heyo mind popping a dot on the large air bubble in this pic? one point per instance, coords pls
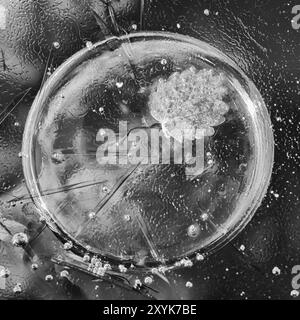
(148, 149)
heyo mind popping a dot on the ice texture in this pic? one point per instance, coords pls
(191, 102)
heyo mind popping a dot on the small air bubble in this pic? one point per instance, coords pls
(189, 284)
(154, 270)
(186, 263)
(49, 278)
(64, 274)
(4, 273)
(295, 293)
(86, 258)
(58, 157)
(148, 280)
(102, 132)
(206, 12)
(34, 266)
(127, 217)
(163, 62)
(20, 240)
(107, 266)
(105, 189)
(18, 288)
(56, 45)
(122, 268)
(199, 257)
(119, 85)
(276, 271)
(92, 215)
(89, 45)
(204, 217)
(137, 284)
(193, 230)
(68, 245)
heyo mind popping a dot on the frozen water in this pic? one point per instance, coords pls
(146, 210)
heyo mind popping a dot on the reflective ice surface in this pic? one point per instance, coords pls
(147, 211)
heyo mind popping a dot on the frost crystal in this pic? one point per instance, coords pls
(190, 102)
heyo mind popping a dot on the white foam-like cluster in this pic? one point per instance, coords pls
(191, 101)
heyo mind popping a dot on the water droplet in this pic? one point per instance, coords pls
(134, 27)
(20, 240)
(189, 284)
(163, 62)
(101, 110)
(17, 124)
(193, 230)
(178, 25)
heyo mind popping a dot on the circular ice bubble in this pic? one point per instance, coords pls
(147, 149)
